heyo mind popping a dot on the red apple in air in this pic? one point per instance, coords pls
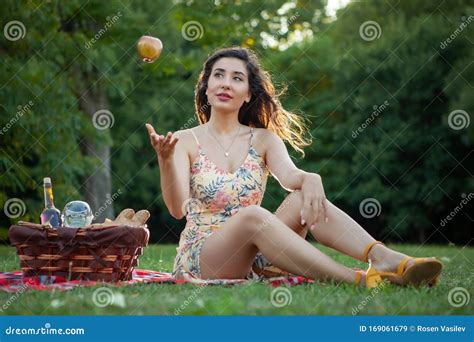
(149, 48)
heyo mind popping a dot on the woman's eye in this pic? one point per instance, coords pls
(219, 75)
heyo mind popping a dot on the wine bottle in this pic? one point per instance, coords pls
(50, 215)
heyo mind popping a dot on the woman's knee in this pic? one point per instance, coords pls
(255, 217)
(289, 210)
(294, 199)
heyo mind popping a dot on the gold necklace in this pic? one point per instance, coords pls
(226, 152)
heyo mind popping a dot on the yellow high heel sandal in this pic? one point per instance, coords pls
(421, 271)
(372, 277)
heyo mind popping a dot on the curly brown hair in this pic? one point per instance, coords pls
(264, 110)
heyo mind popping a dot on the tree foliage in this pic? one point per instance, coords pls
(378, 107)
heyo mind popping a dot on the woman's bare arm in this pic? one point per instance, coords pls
(173, 162)
(280, 164)
(291, 178)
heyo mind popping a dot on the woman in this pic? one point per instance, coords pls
(216, 174)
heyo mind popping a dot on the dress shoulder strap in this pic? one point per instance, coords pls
(251, 136)
(194, 135)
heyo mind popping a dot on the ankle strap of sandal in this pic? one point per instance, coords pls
(368, 249)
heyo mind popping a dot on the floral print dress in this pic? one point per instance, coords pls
(216, 195)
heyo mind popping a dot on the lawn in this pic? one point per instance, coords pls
(254, 299)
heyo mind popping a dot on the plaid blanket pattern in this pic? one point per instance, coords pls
(15, 282)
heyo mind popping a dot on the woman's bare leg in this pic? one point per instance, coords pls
(230, 252)
(345, 234)
(289, 213)
(341, 233)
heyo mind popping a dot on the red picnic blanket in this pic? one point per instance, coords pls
(15, 282)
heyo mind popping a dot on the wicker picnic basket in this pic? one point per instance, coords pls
(108, 253)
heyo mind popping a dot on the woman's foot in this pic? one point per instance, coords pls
(386, 260)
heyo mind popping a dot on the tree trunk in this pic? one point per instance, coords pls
(98, 186)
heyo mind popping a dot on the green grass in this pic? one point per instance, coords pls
(252, 299)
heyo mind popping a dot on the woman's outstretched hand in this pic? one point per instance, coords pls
(315, 206)
(163, 145)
